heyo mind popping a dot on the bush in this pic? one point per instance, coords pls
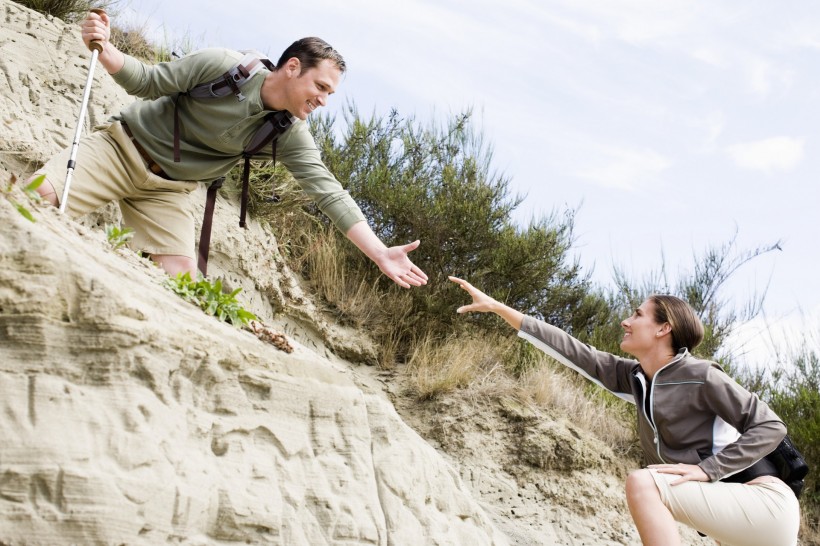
(211, 298)
(436, 184)
(791, 386)
(69, 11)
(702, 288)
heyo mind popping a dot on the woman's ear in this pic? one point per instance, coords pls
(664, 329)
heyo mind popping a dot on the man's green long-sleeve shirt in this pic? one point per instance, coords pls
(214, 132)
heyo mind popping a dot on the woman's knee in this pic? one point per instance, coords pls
(640, 487)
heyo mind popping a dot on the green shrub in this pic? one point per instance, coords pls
(210, 297)
(435, 183)
(30, 190)
(117, 236)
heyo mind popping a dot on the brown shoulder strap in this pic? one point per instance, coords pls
(207, 221)
(275, 124)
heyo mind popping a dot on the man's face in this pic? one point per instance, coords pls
(309, 89)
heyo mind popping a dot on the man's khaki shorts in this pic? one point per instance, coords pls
(109, 168)
(764, 514)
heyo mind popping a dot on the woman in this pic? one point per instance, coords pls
(703, 435)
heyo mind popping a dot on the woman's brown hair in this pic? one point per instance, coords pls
(687, 329)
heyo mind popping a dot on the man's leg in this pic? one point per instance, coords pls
(109, 168)
(99, 175)
(173, 264)
(159, 211)
(47, 192)
(653, 519)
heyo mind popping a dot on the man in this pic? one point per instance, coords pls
(155, 151)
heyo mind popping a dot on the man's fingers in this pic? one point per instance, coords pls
(419, 273)
(410, 247)
(415, 279)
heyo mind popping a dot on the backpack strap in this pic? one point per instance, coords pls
(229, 82)
(207, 221)
(275, 124)
(232, 80)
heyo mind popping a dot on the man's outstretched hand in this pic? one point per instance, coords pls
(392, 261)
(397, 266)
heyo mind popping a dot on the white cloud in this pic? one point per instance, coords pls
(710, 56)
(639, 21)
(764, 77)
(776, 153)
(711, 125)
(760, 77)
(626, 169)
(766, 342)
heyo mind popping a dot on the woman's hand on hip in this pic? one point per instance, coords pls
(687, 472)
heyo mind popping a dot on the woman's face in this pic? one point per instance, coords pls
(641, 332)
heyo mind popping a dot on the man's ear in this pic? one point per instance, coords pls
(293, 67)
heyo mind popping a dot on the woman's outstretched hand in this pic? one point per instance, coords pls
(482, 303)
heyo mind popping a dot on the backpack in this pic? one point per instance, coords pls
(791, 467)
(275, 124)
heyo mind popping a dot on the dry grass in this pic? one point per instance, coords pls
(315, 249)
(438, 368)
(477, 366)
(132, 41)
(555, 390)
(352, 297)
(69, 11)
(809, 532)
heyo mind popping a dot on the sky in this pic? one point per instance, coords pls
(671, 126)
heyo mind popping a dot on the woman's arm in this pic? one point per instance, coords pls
(482, 303)
(759, 427)
(604, 369)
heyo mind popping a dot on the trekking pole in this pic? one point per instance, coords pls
(96, 48)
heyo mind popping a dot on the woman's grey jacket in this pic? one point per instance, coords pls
(691, 411)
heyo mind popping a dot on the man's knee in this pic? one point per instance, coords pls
(45, 190)
(174, 265)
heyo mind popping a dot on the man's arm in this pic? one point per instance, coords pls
(392, 261)
(97, 27)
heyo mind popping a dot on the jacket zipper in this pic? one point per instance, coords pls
(651, 394)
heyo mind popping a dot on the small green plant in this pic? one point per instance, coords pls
(118, 236)
(211, 299)
(30, 190)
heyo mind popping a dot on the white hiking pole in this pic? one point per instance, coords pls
(96, 48)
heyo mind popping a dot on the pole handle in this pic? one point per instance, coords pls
(96, 45)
